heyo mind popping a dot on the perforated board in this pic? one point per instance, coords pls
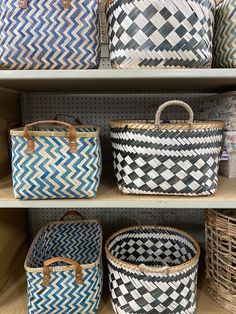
(98, 109)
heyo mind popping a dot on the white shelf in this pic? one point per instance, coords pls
(109, 196)
(111, 80)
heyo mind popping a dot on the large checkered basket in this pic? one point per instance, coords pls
(64, 268)
(152, 269)
(163, 34)
(55, 161)
(49, 34)
(177, 158)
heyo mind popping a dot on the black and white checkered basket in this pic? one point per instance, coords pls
(163, 34)
(176, 158)
(152, 269)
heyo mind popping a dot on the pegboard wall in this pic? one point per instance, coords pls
(98, 109)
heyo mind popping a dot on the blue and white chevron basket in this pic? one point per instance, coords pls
(46, 34)
(64, 268)
(55, 162)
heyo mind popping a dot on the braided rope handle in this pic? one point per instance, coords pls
(153, 269)
(173, 103)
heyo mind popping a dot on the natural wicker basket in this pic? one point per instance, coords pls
(220, 231)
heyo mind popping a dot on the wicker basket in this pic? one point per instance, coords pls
(220, 231)
(152, 269)
(160, 34)
(180, 158)
(64, 268)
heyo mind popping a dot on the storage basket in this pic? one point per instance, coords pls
(220, 232)
(180, 158)
(62, 161)
(160, 34)
(224, 35)
(64, 268)
(152, 269)
(46, 34)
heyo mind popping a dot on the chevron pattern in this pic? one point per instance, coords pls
(52, 171)
(78, 241)
(150, 34)
(48, 36)
(136, 291)
(183, 162)
(225, 35)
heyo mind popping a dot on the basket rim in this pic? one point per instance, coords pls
(153, 269)
(182, 124)
(63, 268)
(218, 213)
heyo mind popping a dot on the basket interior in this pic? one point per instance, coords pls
(77, 241)
(152, 247)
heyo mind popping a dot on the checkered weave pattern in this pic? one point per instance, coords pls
(150, 34)
(47, 36)
(52, 171)
(225, 35)
(138, 287)
(80, 241)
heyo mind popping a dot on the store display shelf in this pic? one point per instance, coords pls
(111, 80)
(109, 196)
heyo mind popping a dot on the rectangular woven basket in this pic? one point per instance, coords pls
(52, 161)
(64, 268)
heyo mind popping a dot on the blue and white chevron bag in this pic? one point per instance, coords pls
(46, 34)
(64, 268)
(55, 161)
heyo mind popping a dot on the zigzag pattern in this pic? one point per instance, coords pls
(225, 35)
(78, 241)
(47, 36)
(151, 34)
(52, 171)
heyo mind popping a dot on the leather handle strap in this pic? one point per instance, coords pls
(71, 213)
(23, 4)
(30, 141)
(77, 120)
(46, 269)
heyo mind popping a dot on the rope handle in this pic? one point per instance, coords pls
(72, 213)
(46, 270)
(173, 103)
(77, 120)
(30, 141)
(23, 4)
(139, 218)
(162, 269)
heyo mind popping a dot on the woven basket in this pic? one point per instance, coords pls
(152, 269)
(64, 268)
(160, 34)
(220, 232)
(46, 34)
(62, 161)
(180, 158)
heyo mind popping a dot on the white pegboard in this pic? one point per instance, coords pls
(99, 109)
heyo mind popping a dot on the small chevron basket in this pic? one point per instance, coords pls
(64, 268)
(152, 269)
(225, 35)
(55, 161)
(160, 34)
(46, 34)
(177, 158)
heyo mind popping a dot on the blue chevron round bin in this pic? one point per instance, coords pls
(55, 161)
(64, 268)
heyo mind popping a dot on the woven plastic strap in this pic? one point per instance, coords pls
(173, 103)
(46, 270)
(30, 141)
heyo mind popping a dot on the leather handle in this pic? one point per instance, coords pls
(30, 141)
(173, 103)
(71, 213)
(46, 270)
(77, 120)
(23, 4)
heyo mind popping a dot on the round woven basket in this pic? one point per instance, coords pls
(220, 231)
(152, 269)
